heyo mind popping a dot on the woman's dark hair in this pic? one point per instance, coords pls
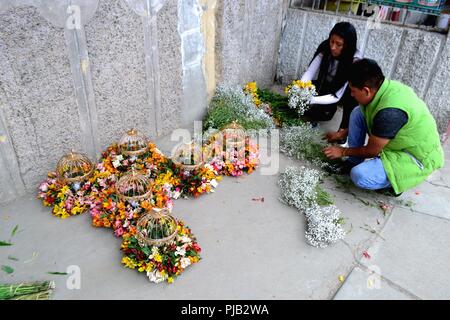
(347, 32)
(366, 73)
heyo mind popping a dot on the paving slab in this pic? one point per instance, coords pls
(414, 254)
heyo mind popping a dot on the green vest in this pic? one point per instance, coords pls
(418, 138)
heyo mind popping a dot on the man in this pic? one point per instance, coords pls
(403, 146)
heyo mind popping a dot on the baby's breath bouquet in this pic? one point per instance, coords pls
(300, 94)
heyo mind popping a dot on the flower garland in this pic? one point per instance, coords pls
(67, 199)
(300, 188)
(196, 182)
(300, 94)
(162, 263)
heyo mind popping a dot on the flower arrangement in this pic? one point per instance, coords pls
(300, 94)
(300, 188)
(163, 263)
(67, 199)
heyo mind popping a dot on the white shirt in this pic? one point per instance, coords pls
(313, 72)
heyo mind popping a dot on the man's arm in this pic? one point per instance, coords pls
(372, 149)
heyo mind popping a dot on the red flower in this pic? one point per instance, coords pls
(50, 200)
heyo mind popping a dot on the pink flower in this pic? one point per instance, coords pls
(43, 187)
(119, 232)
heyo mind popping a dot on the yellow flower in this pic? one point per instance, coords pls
(170, 279)
(157, 258)
(149, 267)
(129, 263)
(142, 267)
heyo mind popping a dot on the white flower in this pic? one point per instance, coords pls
(176, 194)
(300, 98)
(119, 157)
(180, 251)
(185, 262)
(116, 163)
(155, 276)
(214, 183)
(184, 239)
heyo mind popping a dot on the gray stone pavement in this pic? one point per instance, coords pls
(253, 249)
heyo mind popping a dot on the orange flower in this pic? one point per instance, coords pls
(120, 205)
(146, 205)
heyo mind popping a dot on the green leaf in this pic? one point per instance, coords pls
(14, 231)
(13, 258)
(3, 244)
(58, 273)
(7, 269)
(146, 251)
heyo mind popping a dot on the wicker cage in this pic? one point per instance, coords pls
(74, 167)
(134, 186)
(188, 156)
(133, 143)
(156, 228)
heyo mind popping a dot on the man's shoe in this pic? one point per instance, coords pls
(389, 192)
(341, 167)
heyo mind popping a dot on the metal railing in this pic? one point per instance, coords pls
(376, 13)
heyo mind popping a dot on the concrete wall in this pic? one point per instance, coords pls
(247, 40)
(36, 98)
(418, 58)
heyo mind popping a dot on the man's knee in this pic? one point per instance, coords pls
(358, 176)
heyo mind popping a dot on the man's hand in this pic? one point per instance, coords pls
(333, 152)
(336, 136)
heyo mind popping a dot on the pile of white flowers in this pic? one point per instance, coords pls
(299, 189)
(324, 226)
(242, 104)
(300, 95)
(303, 142)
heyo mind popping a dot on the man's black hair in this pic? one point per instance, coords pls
(366, 73)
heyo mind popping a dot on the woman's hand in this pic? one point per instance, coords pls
(334, 152)
(336, 136)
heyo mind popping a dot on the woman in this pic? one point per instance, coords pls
(328, 72)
